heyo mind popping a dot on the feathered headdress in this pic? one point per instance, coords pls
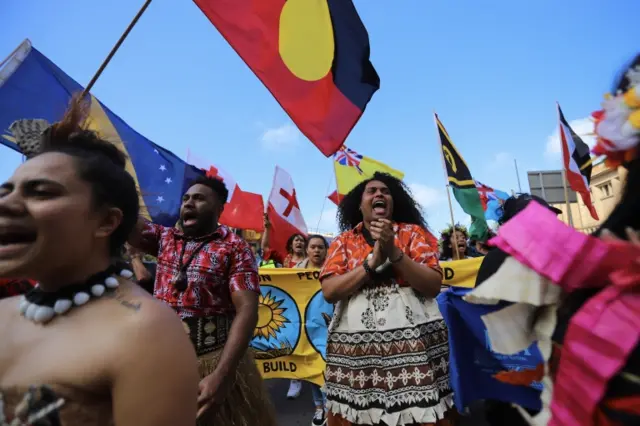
(28, 134)
(34, 135)
(617, 124)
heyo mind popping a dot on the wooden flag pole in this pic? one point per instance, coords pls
(115, 48)
(446, 179)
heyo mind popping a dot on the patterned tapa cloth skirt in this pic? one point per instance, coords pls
(388, 360)
(248, 403)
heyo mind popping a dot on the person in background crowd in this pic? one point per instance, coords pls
(454, 236)
(209, 276)
(618, 137)
(511, 207)
(75, 350)
(480, 248)
(316, 250)
(500, 413)
(315, 254)
(145, 272)
(295, 249)
(256, 253)
(383, 274)
(10, 288)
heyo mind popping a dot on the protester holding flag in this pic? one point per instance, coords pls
(295, 248)
(502, 412)
(480, 248)
(83, 336)
(208, 275)
(382, 272)
(285, 229)
(584, 300)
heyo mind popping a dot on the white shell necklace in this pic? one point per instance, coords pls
(41, 306)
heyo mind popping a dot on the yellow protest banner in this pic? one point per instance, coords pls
(290, 339)
(461, 273)
(291, 335)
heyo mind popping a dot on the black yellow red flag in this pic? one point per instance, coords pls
(312, 55)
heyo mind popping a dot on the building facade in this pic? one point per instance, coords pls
(606, 189)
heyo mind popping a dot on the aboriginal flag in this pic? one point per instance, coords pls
(312, 55)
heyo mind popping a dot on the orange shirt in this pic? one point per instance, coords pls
(350, 249)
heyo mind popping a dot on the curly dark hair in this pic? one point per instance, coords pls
(446, 251)
(216, 185)
(290, 242)
(405, 208)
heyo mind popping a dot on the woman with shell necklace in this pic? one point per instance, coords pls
(76, 349)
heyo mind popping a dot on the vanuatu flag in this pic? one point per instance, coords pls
(463, 186)
(313, 56)
(32, 86)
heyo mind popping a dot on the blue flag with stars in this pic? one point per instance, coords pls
(32, 86)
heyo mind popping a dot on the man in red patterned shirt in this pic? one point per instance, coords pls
(209, 276)
(10, 288)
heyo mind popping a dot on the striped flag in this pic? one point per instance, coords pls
(577, 162)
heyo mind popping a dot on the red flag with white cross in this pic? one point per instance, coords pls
(283, 212)
(244, 210)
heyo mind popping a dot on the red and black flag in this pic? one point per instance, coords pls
(313, 56)
(577, 162)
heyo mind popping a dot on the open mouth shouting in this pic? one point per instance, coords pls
(14, 240)
(189, 219)
(379, 207)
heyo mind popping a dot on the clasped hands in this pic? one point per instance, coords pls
(382, 232)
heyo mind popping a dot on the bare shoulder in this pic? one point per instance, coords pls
(8, 308)
(140, 312)
(146, 326)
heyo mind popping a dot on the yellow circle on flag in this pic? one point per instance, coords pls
(306, 40)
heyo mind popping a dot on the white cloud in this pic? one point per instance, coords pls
(285, 136)
(583, 128)
(324, 222)
(427, 196)
(502, 158)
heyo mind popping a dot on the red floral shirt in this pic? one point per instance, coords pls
(223, 266)
(350, 249)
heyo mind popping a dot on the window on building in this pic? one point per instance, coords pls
(606, 190)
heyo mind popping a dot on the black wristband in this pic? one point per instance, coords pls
(398, 259)
(370, 272)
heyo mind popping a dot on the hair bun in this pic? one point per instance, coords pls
(89, 141)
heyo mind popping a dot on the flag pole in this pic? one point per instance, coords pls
(566, 197)
(324, 200)
(446, 179)
(515, 163)
(115, 48)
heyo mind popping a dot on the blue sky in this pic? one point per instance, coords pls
(492, 70)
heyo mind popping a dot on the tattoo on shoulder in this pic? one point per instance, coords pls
(123, 300)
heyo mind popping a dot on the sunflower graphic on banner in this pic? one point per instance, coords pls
(290, 338)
